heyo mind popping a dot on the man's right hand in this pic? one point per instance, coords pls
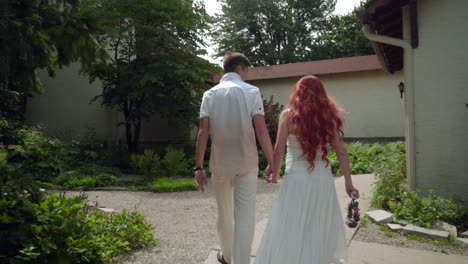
(200, 179)
(270, 177)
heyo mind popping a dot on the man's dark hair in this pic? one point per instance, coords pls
(233, 59)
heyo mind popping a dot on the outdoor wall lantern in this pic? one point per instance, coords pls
(401, 88)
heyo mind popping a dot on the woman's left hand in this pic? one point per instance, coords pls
(352, 191)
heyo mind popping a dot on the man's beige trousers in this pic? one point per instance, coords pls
(235, 196)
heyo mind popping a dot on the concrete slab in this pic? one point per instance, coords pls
(435, 234)
(463, 240)
(370, 253)
(380, 216)
(395, 227)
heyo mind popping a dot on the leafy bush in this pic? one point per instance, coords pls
(119, 233)
(391, 192)
(425, 211)
(88, 175)
(63, 230)
(173, 185)
(362, 158)
(147, 164)
(391, 176)
(150, 164)
(272, 113)
(174, 163)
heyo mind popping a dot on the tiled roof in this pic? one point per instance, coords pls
(341, 65)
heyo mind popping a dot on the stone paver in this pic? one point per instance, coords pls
(412, 229)
(440, 225)
(463, 240)
(395, 227)
(380, 216)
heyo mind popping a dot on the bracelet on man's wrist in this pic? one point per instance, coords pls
(197, 168)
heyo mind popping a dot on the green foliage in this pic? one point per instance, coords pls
(174, 163)
(363, 221)
(173, 185)
(41, 35)
(119, 233)
(425, 211)
(414, 236)
(362, 157)
(391, 176)
(154, 67)
(389, 234)
(390, 191)
(273, 32)
(341, 36)
(383, 228)
(78, 178)
(63, 230)
(147, 163)
(272, 114)
(270, 32)
(442, 241)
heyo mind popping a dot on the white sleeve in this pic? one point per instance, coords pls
(257, 105)
(205, 106)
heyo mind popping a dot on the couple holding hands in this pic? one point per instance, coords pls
(305, 224)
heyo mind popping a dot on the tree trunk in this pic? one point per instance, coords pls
(129, 137)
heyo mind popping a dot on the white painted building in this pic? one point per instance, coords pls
(428, 40)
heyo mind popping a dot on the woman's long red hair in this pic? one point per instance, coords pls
(315, 117)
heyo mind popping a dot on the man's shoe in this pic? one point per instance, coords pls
(221, 258)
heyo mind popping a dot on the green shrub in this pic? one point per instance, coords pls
(173, 185)
(362, 158)
(391, 175)
(147, 164)
(174, 163)
(118, 233)
(425, 211)
(390, 191)
(63, 230)
(72, 179)
(87, 175)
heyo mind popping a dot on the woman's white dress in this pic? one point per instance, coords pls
(305, 224)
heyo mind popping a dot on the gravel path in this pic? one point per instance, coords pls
(184, 222)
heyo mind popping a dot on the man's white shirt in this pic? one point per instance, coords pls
(230, 105)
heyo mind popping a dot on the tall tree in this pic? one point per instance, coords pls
(41, 34)
(271, 31)
(154, 66)
(341, 36)
(285, 31)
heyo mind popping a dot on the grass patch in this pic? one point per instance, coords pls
(389, 234)
(414, 236)
(173, 185)
(443, 241)
(363, 221)
(383, 228)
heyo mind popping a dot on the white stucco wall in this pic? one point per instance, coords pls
(441, 97)
(64, 110)
(371, 100)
